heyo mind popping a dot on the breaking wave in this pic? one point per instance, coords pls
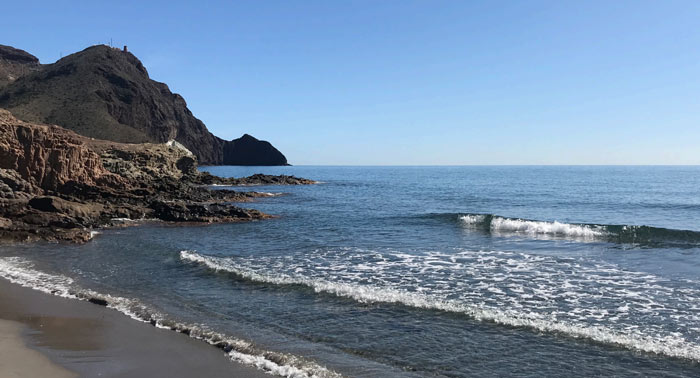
(626, 234)
(22, 272)
(525, 301)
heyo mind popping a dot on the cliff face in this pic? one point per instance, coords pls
(48, 157)
(58, 185)
(106, 93)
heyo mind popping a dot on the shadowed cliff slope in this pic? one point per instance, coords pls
(106, 93)
(15, 63)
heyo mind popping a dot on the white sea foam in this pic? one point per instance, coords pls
(537, 292)
(473, 218)
(550, 228)
(22, 272)
(534, 228)
(269, 194)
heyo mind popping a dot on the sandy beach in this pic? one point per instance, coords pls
(17, 360)
(47, 336)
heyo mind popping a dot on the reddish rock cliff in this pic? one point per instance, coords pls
(49, 157)
(58, 185)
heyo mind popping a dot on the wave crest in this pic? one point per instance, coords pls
(624, 234)
(497, 224)
(668, 344)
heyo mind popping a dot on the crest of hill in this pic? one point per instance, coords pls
(106, 93)
(15, 63)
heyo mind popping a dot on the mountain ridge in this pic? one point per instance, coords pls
(106, 93)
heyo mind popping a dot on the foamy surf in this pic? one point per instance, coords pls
(511, 309)
(22, 272)
(537, 229)
(497, 224)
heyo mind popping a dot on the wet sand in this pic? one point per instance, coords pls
(67, 338)
(19, 361)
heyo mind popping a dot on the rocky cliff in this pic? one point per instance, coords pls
(106, 93)
(48, 157)
(58, 185)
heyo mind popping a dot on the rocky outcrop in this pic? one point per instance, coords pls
(47, 157)
(106, 93)
(248, 150)
(13, 186)
(58, 185)
(206, 178)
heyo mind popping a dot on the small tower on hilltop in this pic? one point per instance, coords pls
(125, 49)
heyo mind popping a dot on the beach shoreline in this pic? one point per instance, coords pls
(66, 338)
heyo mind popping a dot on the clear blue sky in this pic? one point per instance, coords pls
(411, 82)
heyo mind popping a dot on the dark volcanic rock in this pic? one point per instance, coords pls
(98, 301)
(205, 178)
(180, 211)
(248, 150)
(106, 93)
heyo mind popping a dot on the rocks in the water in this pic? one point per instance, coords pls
(106, 93)
(98, 301)
(181, 211)
(206, 178)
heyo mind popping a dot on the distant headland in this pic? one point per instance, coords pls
(106, 93)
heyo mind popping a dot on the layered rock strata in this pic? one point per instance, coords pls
(58, 185)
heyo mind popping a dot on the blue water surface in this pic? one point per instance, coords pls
(428, 271)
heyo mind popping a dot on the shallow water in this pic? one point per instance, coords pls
(425, 271)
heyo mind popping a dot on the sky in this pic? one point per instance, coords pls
(411, 82)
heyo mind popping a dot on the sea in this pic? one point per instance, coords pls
(459, 271)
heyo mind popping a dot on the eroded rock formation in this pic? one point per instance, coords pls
(58, 185)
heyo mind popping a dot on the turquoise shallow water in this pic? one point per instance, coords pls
(420, 271)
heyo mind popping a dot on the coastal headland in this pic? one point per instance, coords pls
(57, 185)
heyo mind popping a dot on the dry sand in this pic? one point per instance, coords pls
(48, 336)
